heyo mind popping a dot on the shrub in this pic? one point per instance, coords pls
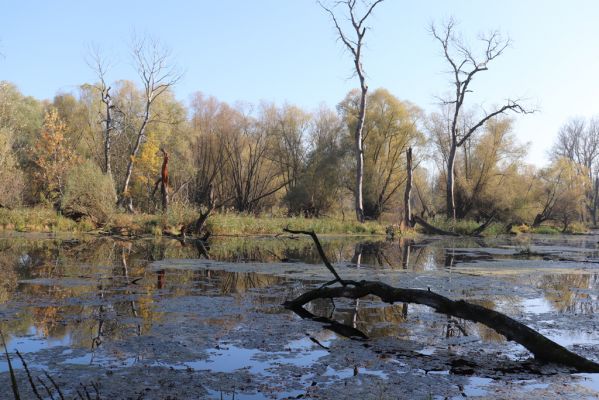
(88, 193)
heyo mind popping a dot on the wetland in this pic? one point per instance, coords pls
(158, 318)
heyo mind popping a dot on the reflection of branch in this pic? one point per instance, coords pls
(342, 329)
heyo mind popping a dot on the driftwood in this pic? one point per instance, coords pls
(540, 346)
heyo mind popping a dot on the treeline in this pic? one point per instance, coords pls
(248, 158)
(281, 158)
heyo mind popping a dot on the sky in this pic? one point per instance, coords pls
(287, 51)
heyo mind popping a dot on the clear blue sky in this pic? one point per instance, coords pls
(286, 50)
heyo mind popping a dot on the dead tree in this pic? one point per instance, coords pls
(541, 347)
(163, 181)
(354, 45)
(152, 61)
(407, 207)
(98, 63)
(464, 67)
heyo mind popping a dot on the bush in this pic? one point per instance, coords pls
(88, 194)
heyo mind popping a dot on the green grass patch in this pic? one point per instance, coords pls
(467, 226)
(43, 219)
(239, 224)
(39, 219)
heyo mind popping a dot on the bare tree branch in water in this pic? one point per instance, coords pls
(539, 345)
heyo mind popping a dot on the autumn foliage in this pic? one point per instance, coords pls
(53, 157)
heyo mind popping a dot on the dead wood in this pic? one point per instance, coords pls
(540, 346)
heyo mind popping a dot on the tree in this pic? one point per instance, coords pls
(20, 121)
(287, 130)
(353, 42)
(100, 66)
(560, 197)
(390, 128)
(212, 123)
(578, 141)
(157, 75)
(53, 158)
(21, 118)
(321, 179)
(486, 168)
(465, 65)
(252, 175)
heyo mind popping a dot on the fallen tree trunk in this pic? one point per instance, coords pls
(543, 348)
(540, 346)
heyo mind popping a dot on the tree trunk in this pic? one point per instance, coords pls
(164, 195)
(360, 151)
(107, 136)
(539, 219)
(450, 182)
(125, 198)
(595, 201)
(407, 218)
(164, 181)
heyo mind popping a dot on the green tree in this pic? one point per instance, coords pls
(391, 126)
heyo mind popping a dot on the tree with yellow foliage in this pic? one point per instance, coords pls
(53, 157)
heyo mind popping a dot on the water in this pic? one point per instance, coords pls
(89, 305)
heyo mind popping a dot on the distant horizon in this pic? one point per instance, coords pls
(287, 52)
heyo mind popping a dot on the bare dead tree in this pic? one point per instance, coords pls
(100, 66)
(465, 65)
(153, 63)
(354, 41)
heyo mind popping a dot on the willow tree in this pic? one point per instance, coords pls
(353, 39)
(389, 130)
(464, 66)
